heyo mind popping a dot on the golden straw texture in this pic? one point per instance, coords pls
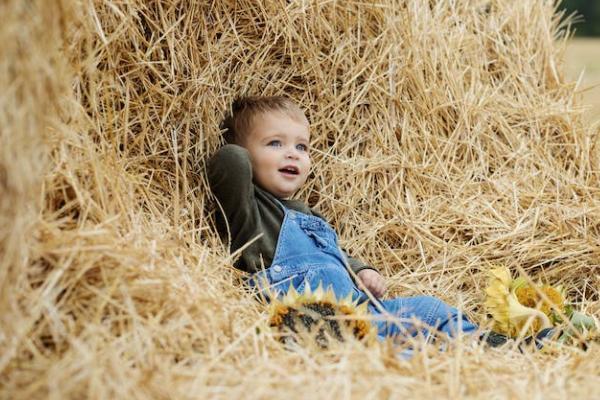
(445, 138)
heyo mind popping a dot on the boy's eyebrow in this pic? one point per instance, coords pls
(281, 135)
(272, 135)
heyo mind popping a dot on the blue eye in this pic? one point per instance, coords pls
(302, 147)
(274, 143)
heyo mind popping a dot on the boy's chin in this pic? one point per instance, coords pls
(281, 191)
(285, 194)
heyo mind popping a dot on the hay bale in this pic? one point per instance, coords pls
(445, 138)
(31, 91)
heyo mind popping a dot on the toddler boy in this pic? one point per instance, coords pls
(253, 177)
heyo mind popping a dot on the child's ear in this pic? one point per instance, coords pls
(229, 137)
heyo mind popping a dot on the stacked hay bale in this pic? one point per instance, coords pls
(31, 91)
(444, 138)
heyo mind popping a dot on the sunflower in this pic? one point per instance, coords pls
(516, 305)
(320, 316)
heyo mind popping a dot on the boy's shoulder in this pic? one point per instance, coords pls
(299, 205)
(228, 153)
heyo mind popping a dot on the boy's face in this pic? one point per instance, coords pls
(278, 147)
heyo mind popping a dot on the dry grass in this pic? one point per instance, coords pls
(446, 138)
(583, 62)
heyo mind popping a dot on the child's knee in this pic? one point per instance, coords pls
(432, 303)
(435, 311)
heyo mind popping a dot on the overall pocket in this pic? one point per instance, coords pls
(322, 235)
(282, 277)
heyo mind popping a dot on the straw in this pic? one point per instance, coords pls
(445, 138)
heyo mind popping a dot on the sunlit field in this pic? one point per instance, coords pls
(583, 56)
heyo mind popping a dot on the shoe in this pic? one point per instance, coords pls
(495, 339)
(544, 336)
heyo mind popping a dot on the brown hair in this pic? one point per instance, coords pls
(245, 109)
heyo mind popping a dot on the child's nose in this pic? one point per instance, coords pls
(292, 152)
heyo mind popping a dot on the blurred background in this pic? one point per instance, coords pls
(583, 52)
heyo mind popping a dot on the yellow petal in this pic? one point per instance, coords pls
(319, 293)
(509, 314)
(309, 315)
(519, 315)
(502, 274)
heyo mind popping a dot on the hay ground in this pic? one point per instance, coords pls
(446, 138)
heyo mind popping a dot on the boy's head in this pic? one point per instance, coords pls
(276, 134)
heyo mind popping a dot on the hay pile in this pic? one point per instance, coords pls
(445, 139)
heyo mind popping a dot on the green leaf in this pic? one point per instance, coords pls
(518, 283)
(582, 321)
(569, 310)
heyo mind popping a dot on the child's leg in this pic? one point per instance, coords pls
(411, 315)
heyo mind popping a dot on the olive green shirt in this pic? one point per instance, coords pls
(248, 213)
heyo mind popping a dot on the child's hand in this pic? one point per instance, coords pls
(373, 281)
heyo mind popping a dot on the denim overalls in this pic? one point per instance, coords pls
(307, 253)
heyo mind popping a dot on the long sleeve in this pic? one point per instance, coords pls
(248, 216)
(230, 179)
(356, 265)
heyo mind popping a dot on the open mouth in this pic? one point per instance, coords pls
(290, 170)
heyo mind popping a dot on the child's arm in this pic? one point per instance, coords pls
(368, 275)
(229, 173)
(356, 264)
(373, 281)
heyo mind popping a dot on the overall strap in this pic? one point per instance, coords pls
(284, 208)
